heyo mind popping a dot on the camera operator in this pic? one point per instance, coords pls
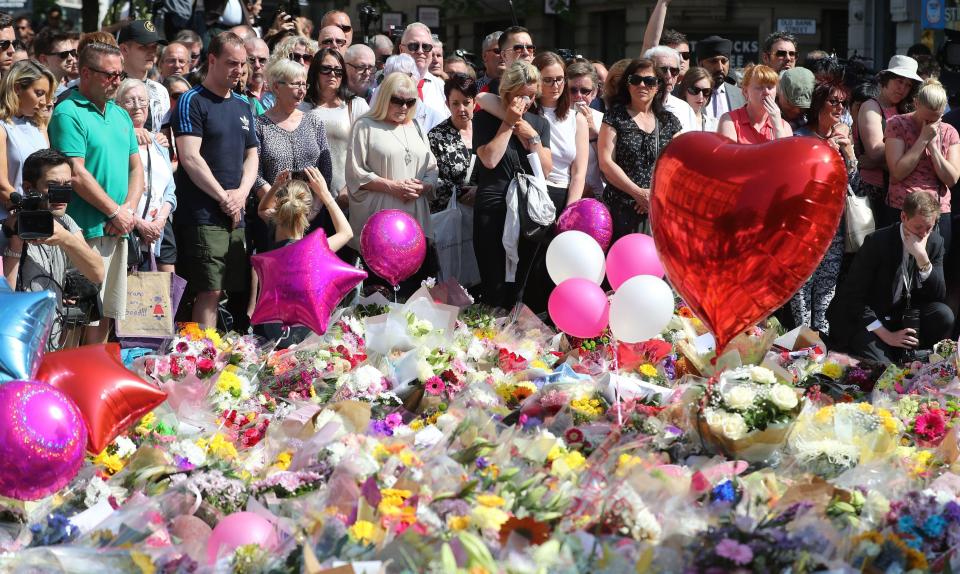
(892, 302)
(65, 248)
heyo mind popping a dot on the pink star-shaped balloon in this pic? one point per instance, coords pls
(302, 283)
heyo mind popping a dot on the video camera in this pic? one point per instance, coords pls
(34, 218)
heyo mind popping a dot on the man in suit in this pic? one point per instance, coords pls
(898, 267)
(714, 55)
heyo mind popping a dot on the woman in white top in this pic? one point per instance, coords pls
(24, 92)
(582, 87)
(697, 89)
(329, 99)
(159, 198)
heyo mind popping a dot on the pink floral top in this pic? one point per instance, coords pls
(923, 177)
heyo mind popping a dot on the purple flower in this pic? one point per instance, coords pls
(380, 427)
(482, 463)
(734, 551)
(951, 511)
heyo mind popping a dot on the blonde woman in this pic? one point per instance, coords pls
(389, 162)
(25, 92)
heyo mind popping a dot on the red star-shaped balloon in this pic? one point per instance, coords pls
(110, 397)
(302, 283)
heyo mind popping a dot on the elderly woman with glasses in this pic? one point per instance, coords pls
(390, 165)
(159, 199)
(330, 101)
(633, 135)
(827, 107)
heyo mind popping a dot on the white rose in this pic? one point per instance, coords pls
(739, 397)
(713, 418)
(733, 426)
(763, 375)
(784, 397)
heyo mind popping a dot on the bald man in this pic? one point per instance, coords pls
(257, 55)
(333, 37)
(174, 61)
(341, 20)
(361, 64)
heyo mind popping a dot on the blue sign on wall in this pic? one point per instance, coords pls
(934, 14)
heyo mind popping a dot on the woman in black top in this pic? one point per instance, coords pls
(451, 141)
(502, 148)
(634, 132)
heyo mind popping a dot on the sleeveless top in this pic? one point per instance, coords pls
(874, 176)
(23, 138)
(746, 133)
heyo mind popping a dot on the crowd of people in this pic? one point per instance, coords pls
(190, 153)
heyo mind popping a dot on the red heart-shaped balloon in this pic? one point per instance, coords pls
(740, 228)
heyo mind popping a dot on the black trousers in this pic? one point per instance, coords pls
(936, 324)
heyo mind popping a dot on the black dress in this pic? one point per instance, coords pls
(453, 160)
(636, 153)
(490, 212)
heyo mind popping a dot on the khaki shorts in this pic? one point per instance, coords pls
(112, 298)
(212, 258)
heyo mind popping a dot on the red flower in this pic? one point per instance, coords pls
(205, 366)
(930, 425)
(510, 362)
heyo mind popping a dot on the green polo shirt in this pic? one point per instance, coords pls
(105, 141)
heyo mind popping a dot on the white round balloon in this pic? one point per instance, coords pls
(575, 255)
(640, 309)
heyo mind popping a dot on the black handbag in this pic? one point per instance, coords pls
(135, 256)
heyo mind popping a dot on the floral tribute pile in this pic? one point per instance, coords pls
(431, 437)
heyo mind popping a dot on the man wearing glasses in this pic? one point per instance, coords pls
(417, 41)
(514, 44)
(58, 51)
(341, 20)
(666, 62)
(8, 40)
(98, 137)
(174, 60)
(138, 44)
(361, 64)
(714, 55)
(257, 56)
(493, 64)
(780, 51)
(333, 37)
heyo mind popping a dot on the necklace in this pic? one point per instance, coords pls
(407, 156)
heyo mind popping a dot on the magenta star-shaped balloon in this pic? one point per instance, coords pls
(302, 283)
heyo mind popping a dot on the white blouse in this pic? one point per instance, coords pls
(563, 146)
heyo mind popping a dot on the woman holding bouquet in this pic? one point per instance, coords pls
(759, 120)
(828, 103)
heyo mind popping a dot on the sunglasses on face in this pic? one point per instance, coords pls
(836, 102)
(669, 70)
(705, 92)
(304, 59)
(332, 41)
(64, 54)
(524, 48)
(110, 76)
(581, 91)
(786, 54)
(5, 45)
(684, 55)
(636, 80)
(494, 50)
(362, 69)
(554, 81)
(403, 102)
(417, 46)
(327, 70)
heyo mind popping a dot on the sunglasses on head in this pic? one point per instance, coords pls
(63, 55)
(403, 102)
(327, 70)
(684, 55)
(301, 58)
(524, 48)
(669, 70)
(785, 54)
(417, 46)
(581, 91)
(636, 80)
(705, 92)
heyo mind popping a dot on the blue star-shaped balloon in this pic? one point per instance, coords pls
(302, 283)
(26, 319)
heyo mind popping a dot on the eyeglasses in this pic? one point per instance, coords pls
(254, 60)
(416, 46)
(684, 55)
(331, 41)
(135, 103)
(64, 54)
(582, 91)
(304, 59)
(402, 102)
(362, 69)
(723, 60)
(836, 102)
(648, 81)
(327, 70)
(786, 54)
(554, 81)
(524, 47)
(705, 92)
(494, 50)
(194, 55)
(669, 70)
(344, 27)
(295, 85)
(111, 76)
(5, 45)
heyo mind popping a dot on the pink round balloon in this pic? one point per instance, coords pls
(392, 245)
(240, 529)
(589, 216)
(42, 440)
(579, 307)
(632, 255)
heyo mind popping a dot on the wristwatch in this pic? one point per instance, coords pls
(535, 140)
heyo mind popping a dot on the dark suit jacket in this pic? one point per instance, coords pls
(867, 294)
